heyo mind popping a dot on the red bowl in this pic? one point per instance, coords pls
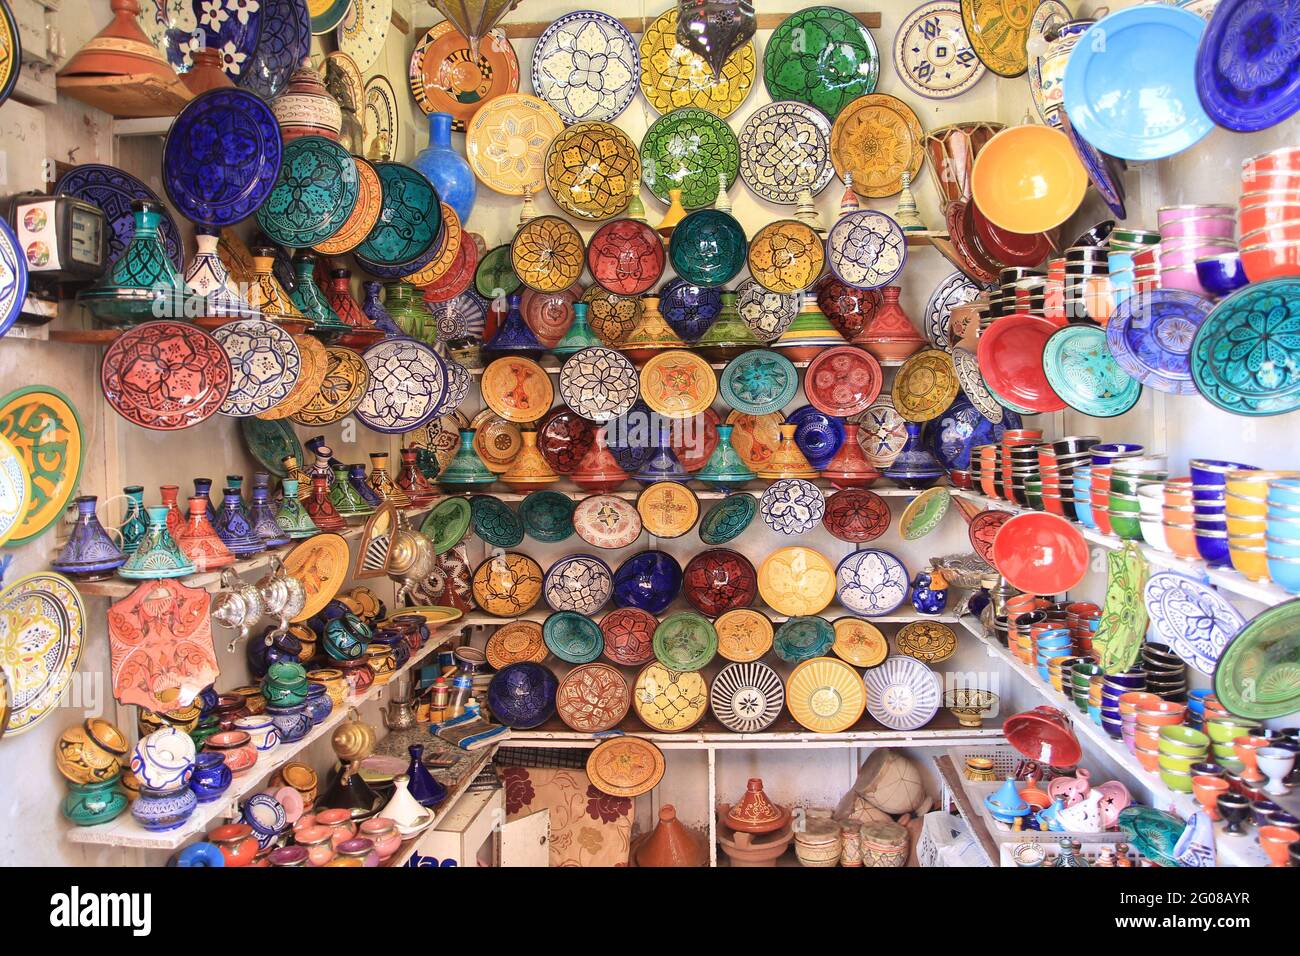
(1270, 262)
(1009, 248)
(1281, 232)
(1269, 180)
(1010, 356)
(1043, 734)
(1040, 553)
(1257, 217)
(1283, 158)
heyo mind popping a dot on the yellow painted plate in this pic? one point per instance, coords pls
(13, 491)
(860, 642)
(453, 234)
(998, 31)
(877, 138)
(321, 563)
(669, 701)
(42, 425)
(925, 386)
(744, 634)
(548, 254)
(625, 766)
(370, 201)
(796, 581)
(592, 170)
(340, 391)
(755, 437)
(672, 76)
(433, 614)
(507, 140)
(668, 509)
(928, 641)
(496, 440)
(678, 383)
(517, 389)
(826, 695)
(515, 642)
(42, 632)
(315, 365)
(786, 256)
(507, 584)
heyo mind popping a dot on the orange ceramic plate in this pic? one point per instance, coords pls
(1028, 179)
(678, 384)
(321, 564)
(517, 389)
(445, 77)
(796, 581)
(1041, 553)
(744, 634)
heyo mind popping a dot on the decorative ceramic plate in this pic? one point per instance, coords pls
(494, 276)
(445, 77)
(365, 213)
(221, 157)
(719, 580)
(923, 513)
(607, 521)
(728, 518)
(13, 277)
(822, 56)
(410, 217)
(522, 696)
(179, 27)
(818, 435)
(1135, 96)
(314, 194)
(508, 584)
(803, 638)
(165, 375)
(625, 766)
(565, 438)
(669, 701)
(956, 289)
(882, 432)
(925, 386)
(692, 150)
(1152, 832)
(796, 581)
(930, 642)
(1010, 355)
(767, 313)
(649, 580)
(856, 515)
(744, 634)
(673, 76)
(626, 257)
(786, 256)
(966, 365)
(578, 582)
(592, 169)
(747, 697)
(407, 381)
(573, 638)
(998, 31)
(1082, 372)
(825, 695)
(380, 120)
(952, 435)
(1258, 674)
(866, 249)
(1041, 553)
(10, 65)
(759, 382)
(327, 14)
(694, 444)
(668, 509)
(447, 523)
(902, 693)
(792, 506)
(785, 147)
(850, 309)
(496, 440)
(547, 516)
(1049, 17)
(599, 384)
(685, 641)
(1150, 337)
(315, 362)
(877, 138)
(517, 389)
(707, 248)
(843, 381)
(983, 529)
(265, 364)
(547, 254)
(364, 30)
(1244, 358)
(610, 315)
(933, 55)
(1236, 89)
(1192, 618)
(270, 442)
(755, 437)
(1123, 623)
(42, 627)
(586, 65)
(515, 642)
(871, 582)
(507, 142)
(13, 495)
(677, 383)
(629, 636)
(593, 698)
(690, 310)
(1103, 171)
(859, 642)
(340, 392)
(321, 563)
(495, 522)
(113, 191)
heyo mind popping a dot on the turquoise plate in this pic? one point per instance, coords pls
(313, 195)
(572, 637)
(447, 523)
(330, 17)
(495, 522)
(271, 441)
(547, 516)
(708, 248)
(1246, 354)
(1081, 370)
(803, 638)
(1152, 832)
(759, 381)
(728, 518)
(410, 217)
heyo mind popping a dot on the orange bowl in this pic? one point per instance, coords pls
(1271, 261)
(1028, 179)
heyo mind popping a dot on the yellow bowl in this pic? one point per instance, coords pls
(1028, 179)
(1252, 485)
(1239, 527)
(1252, 564)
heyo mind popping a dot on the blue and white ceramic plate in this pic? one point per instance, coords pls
(933, 55)
(1080, 369)
(1150, 337)
(264, 366)
(1103, 171)
(586, 66)
(284, 43)
(1248, 63)
(972, 385)
(758, 382)
(784, 147)
(364, 31)
(818, 435)
(579, 582)
(1246, 355)
(767, 313)
(462, 317)
(180, 27)
(13, 278)
(956, 289)
(952, 435)
(871, 582)
(1191, 617)
(902, 693)
(314, 193)
(407, 382)
(113, 191)
(1135, 96)
(221, 157)
(459, 381)
(792, 506)
(866, 249)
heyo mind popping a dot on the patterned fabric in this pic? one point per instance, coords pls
(588, 828)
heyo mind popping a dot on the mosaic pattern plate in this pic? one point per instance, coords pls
(767, 313)
(672, 76)
(689, 149)
(407, 380)
(580, 583)
(786, 256)
(1150, 337)
(877, 138)
(792, 506)
(866, 249)
(586, 65)
(265, 363)
(822, 56)
(314, 194)
(871, 582)
(547, 254)
(1081, 370)
(165, 375)
(599, 384)
(591, 170)
(785, 147)
(507, 142)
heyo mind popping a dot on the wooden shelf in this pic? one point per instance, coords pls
(966, 810)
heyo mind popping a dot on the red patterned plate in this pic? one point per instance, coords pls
(165, 375)
(564, 438)
(843, 380)
(549, 314)
(457, 279)
(719, 580)
(695, 444)
(849, 309)
(958, 249)
(856, 515)
(629, 634)
(626, 257)
(1010, 356)
(1041, 553)
(593, 698)
(983, 529)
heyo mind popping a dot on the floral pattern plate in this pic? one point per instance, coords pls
(822, 56)
(955, 289)
(265, 363)
(626, 257)
(407, 381)
(1248, 65)
(592, 170)
(1081, 370)
(507, 142)
(794, 581)
(871, 582)
(925, 386)
(180, 27)
(859, 642)
(877, 138)
(784, 148)
(747, 697)
(672, 76)
(843, 381)
(586, 65)
(1191, 617)
(768, 314)
(685, 641)
(786, 256)
(856, 515)
(593, 698)
(445, 77)
(314, 194)
(509, 584)
(759, 382)
(364, 30)
(599, 384)
(114, 190)
(966, 365)
(607, 521)
(692, 150)
(902, 693)
(866, 249)
(629, 636)
(678, 384)
(744, 635)
(933, 55)
(929, 642)
(669, 701)
(42, 629)
(165, 375)
(998, 30)
(792, 506)
(580, 583)
(1150, 337)
(547, 254)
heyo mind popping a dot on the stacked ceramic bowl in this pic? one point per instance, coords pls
(1166, 672)
(1223, 729)
(1081, 682)
(1081, 488)
(1128, 477)
(1269, 214)
(1188, 233)
(1282, 533)
(1151, 503)
(1058, 462)
(1196, 701)
(1146, 269)
(1180, 748)
(1049, 645)
(1104, 457)
(1209, 498)
(1059, 670)
(1054, 290)
(1020, 463)
(1151, 716)
(1019, 289)
(1178, 516)
(1087, 296)
(1021, 633)
(1083, 618)
(1245, 513)
(1113, 686)
(819, 843)
(1124, 244)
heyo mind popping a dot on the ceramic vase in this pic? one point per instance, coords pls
(513, 336)
(321, 509)
(675, 213)
(599, 472)
(890, 336)
(915, 467)
(373, 307)
(89, 554)
(725, 470)
(529, 469)
(447, 169)
(427, 791)
(671, 844)
(305, 107)
(158, 555)
(381, 482)
(580, 334)
(850, 467)
(291, 516)
(787, 460)
(90, 804)
(412, 481)
(729, 335)
(235, 528)
(466, 471)
(306, 295)
(199, 540)
(346, 500)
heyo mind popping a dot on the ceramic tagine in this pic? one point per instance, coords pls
(850, 467)
(650, 335)
(338, 293)
(466, 471)
(213, 295)
(675, 213)
(135, 522)
(374, 309)
(235, 528)
(513, 336)
(90, 554)
(729, 335)
(787, 460)
(808, 334)
(321, 510)
(345, 497)
(199, 540)
(381, 482)
(915, 467)
(291, 515)
(755, 813)
(326, 324)
(529, 469)
(158, 555)
(599, 471)
(412, 481)
(725, 469)
(671, 844)
(144, 283)
(662, 463)
(890, 336)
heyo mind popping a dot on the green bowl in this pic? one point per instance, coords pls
(1177, 781)
(1183, 741)
(1178, 764)
(1225, 733)
(1224, 752)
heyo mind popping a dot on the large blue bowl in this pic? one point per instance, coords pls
(649, 580)
(522, 695)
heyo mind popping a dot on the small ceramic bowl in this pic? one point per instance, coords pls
(1183, 741)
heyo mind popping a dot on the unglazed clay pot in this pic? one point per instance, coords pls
(671, 844)
(751, 849)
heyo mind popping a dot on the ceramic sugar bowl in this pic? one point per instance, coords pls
(163, 760)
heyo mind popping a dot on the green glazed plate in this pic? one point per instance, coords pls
(1152, 832)
(495, 274)
(313, 195)
(1258, 673)
(1123, 621)
(803, 638)
(271, 441)
(728, 518)
(495, 522)
(685, 641)
(572, 637)
(821, 56)
(924, 513)
(410, 217)
(447, 523)
(759, 381)
(687, 149)
(1081, 370)
(708, 248)
(1246, 355)
(547, 516)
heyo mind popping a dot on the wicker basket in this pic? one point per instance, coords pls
(884, 845)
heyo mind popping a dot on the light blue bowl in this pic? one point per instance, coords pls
(1285, 574)
(1286, 490)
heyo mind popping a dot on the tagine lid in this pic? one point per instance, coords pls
(755, 813)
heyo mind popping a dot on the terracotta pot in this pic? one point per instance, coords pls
(755, 813)
(671, 844)
(751, 849)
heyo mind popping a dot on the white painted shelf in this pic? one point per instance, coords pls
(904, 615)
(551, 364)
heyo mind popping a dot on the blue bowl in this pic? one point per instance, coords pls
(1211, 471)
(1285, 490)
(1094, 714)
(1221, 275)
(1212, 550)
(522, 695)
(649, 580)
(1285, 574)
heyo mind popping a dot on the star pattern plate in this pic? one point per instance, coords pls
(866, 249)
(586, 65)
(785, 147)
(792, 506)
(264, 366)
(673, 76)
(599, 384)
(591, 170)
(871, 582)
(689, 149)
(932, 53)
(507, 140)
(579, 582)
(406, 385)
(767, 313)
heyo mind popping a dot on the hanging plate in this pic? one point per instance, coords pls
(707, 248)
(795, 581)
(515, 642)
(689, 149)
(265, 364)
(1244, 356)
(843, 380)
(445, 77)
(314, 194)
(522, 695)
(822, 56)
(547, 254)
(496, 440)
(933, 55)
(877, 138)
(626, 257)
(923, 513)
(866, 249)
(629, 636)
(447, 524)
(340, 391)
(856, 515)
(607, 521)
(321, 563)
(668, 509)
(871, 582)
(625, 766)
(1248, 66)
(380, 120)
(593, 698)
(673, 76)
(578, 582)
(282, 45)
(113, 191)
(327, 14)
(509, 584)
(165, 375)
(599, 384)
(859, 642)
(547, 516)
(998, 31)
(768, 314)
(747, 697)
(678, 384)
(802, 638)
(592, 170)
(902, 693)
(825, 695)
(507, 140)
(14, 489)
(364, 30)
(495, 522)
(42, 628)
(685, 641)
(728, 518)
(744, 634)
(1258, 674)
(13, 278)
(586, 66)
(270, 442)
(786, 256)
(1192, 618)
(1081, 370)
(11, 58)
(407, 381)
(669, 701)
(517, 389)
(956, 289)
(925, 386)
(365, 213)
(784, 148)
(410, 217)
(929, 642)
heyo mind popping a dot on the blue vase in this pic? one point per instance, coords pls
(925, 599)
(421, 784)
(235, 529)
(446, 168)
(513, 336)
